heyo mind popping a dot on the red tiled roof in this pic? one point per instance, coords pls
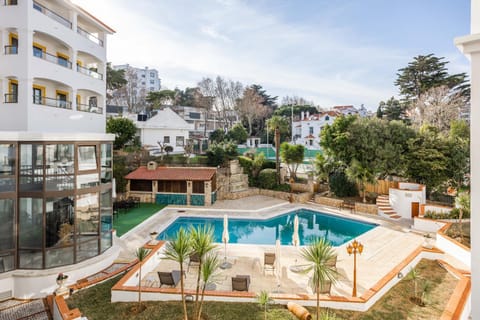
(310, 136)
(172, 173)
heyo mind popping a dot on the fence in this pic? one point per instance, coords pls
(381, 187)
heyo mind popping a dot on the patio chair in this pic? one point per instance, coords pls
(169, 278)
(332, 262)
(268, 262)
(325, 287)
(240, 283)
(194, 260)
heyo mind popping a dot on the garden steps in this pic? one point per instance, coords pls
(384, 208)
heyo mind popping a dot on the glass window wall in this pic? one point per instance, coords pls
(87, 181)
(59, 222)
(87, 216)
(7, 225)
(30, 223)
(87, 158)
(31, 167)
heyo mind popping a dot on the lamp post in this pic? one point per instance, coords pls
(354, 247)
(292, 121)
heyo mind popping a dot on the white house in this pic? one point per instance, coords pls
(166, 127)
(307, 129)
(55, 157)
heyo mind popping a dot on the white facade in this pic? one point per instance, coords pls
(52, 68)
(470, 46)
(165, 127)
(306, 130)
(147, 80)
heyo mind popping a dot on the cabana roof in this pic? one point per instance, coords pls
(172, 174)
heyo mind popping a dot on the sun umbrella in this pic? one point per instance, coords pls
(295, 236)
(225, 239)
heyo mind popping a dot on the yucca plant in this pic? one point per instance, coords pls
(209, 275)
(141, 254)
(264, 299)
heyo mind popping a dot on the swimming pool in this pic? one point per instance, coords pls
(312, 224)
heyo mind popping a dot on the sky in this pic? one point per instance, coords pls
(341, 52)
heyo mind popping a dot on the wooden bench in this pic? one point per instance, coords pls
(347, 204)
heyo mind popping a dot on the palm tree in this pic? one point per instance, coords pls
(414, 275)
(202, 243)
(141, 254)
(178, 250)
(318, 254)
(279, 125)
(264, 299)
(211, 263)
(360, 174)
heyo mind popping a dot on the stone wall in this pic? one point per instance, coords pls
(144, 196)
(366, 208)
(296, 197)
(332, 202)
(302, 187)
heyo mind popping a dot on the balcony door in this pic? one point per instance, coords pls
(37, 96)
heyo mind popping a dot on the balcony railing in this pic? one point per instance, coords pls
(50, 102)
(89, 72)
(11, 50)
(51, 58)
(89, 108)
(49, 13)
(90, 36)
(10, 2)
(11, 98)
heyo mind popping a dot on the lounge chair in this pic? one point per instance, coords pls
(194, 260)
(169, 278)
(240, 283)
(268, 262)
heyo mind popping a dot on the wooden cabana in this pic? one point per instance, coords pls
(173, 185)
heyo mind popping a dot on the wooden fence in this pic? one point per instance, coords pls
(381, 187)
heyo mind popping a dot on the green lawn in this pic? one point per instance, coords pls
(128, 219)
(94, 303)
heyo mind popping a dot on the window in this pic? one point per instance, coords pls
(152, 88)
(13, 44)
(143, 75)
(152, 81)
(62, 60)
(143, 83)
(194, 115)
(37, 95)
(152, 74)
(38, 51)
(12, 96)
(166, 139)
(327, 118)
(87, 158)
(61, 99)
(180, 141)
(92, 102)
(310, 130)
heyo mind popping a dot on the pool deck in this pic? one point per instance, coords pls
(385, 247)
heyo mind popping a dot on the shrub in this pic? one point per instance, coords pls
(220, 153)
(269, 165)
(453, 214)
(341, 186)
(267, 179)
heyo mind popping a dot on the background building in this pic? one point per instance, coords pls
(55, 158)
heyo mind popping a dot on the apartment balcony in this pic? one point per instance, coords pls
(52, 14)
(53, 59)
(11, 50)
(90, 36)
(89, 72)
(10, 2)
(11, 98)
(89, 108)
(51, 102)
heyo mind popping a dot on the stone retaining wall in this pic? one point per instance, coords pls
(366, 208)
(296, 197)
(302, 187)
(332, 202)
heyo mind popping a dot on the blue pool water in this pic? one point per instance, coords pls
(312, 224)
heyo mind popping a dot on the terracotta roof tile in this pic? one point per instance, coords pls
(172, 173)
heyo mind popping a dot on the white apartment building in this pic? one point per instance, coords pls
(306, 130)
(55, 157)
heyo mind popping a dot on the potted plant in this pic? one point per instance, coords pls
(428, 240)
(153, 236)
(61, 279)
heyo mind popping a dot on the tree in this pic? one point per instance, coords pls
(278, 125)
(250, 107)
(293, 156)
(318, 254)
(237, 134)
(437, 107)
(426, 72)
(324, 167)
(141, 254)
(268, 100)
(209, 272)
(219, 153)
(217, 135)
(458, 153)
(115, 78)
(178, 250)
(462, 202)
(157, 99)
(295, 101)
(264, 299)
(124, 130)
(361, 175)
(392, 109)
(202, 242)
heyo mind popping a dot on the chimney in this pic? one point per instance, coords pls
(302, 116)
(151, 166)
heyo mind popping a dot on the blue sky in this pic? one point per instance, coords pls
(332, 52)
